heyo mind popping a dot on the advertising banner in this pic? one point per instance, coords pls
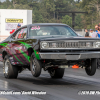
(12, 23)
(14, 20)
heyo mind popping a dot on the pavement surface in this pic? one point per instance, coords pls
(67, 88)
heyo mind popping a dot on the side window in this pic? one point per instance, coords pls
(22, 33)
(16, 34)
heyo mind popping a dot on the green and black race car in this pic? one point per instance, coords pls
(51, 46)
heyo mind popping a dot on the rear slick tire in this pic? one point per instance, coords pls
(57, 73)
(10, 71)
(91, 68)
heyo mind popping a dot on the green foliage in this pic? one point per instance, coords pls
(37, 17)
(46, 11)
(93, 9)
(78, 21)
(67, 20)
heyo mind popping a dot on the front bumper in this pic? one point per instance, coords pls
(70, 56)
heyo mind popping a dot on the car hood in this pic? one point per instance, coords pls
(57, 38)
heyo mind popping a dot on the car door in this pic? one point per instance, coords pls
(18, 47)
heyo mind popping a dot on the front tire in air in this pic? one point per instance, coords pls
(10, 71)
(35, 66)
(91, 68)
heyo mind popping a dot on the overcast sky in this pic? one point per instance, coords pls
(4, 0)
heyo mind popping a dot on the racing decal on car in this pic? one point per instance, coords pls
(28, 46)
(37, 55)
(17, 48)
(21, 54)
(25, 55)
(5, 45)
(35, 28)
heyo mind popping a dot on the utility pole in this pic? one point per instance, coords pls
(73, 20)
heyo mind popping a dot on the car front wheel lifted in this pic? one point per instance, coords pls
(35, 66)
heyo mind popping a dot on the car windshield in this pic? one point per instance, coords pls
(51, 31)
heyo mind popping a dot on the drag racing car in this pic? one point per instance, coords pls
(48, 46)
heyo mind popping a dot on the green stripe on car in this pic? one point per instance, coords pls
(28, 46)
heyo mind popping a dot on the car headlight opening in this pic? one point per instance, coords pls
(97, 45)
(44, 45)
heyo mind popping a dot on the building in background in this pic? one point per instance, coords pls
(9, 18)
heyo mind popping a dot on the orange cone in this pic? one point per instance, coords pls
(75, 66)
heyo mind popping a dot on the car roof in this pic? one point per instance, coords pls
(44, 24)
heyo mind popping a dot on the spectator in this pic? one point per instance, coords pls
(93, 34)
(18, 26)
(87, 33)
(96, 28)
(99, 24)
(98, 60)
(98, 31)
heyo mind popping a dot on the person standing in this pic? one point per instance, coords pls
(96, 28)
(98, 31)
(87, 33)
(93, 34)
(18, 26)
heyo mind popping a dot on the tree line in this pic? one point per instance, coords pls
(47, 11)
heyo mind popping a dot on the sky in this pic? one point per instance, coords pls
(4, 0)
